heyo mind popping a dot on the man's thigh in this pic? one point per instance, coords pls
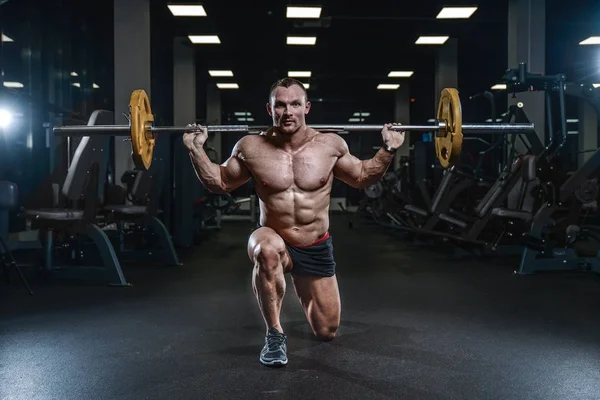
(320, 298)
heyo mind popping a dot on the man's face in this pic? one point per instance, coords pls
(288, 106)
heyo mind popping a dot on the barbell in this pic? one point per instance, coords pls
(448, 128)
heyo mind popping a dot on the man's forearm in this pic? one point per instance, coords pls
(375, 168)
(208, 172)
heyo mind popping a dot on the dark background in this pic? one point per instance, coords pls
(356, 48)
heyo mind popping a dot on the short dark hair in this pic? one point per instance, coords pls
(287, 82)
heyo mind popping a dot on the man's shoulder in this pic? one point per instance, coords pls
(249, 142)
(250, 139)
(330, 138)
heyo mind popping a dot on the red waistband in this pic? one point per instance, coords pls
(320, 240)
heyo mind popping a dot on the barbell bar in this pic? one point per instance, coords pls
(125, 130)
(448, 128)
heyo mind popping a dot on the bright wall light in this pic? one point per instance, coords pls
(187, 10)
(13, 85)
(456, 12)
(5, 118)
(6, 38)
(95, 86)
(388, 86)
(301, 40)
(499, 86)
(306, 85)
(228, 86)
(303, 12)
(591, 40)
(204, 39)
(217, 72)
(432, 39)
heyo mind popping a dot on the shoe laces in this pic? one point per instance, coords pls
(275, 340)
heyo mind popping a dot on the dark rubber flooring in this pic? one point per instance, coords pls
(414, 326)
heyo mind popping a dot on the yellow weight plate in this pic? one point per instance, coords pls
(448, 142)
(142, 139)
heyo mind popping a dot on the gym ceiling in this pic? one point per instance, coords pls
(359, 43)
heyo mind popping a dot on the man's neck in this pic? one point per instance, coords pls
(294, 140)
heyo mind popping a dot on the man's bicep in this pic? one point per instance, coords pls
(348, 167)
(234, 173)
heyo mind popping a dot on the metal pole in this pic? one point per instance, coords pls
(124, 130)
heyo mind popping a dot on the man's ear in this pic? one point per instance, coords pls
(307, 108)
(270, 109)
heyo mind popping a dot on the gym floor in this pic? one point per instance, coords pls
(416, 324)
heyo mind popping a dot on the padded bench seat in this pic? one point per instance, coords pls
(54, 214)
(127, 209)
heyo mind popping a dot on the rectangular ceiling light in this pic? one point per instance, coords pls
(301, 40)
(306, 85)
(572, 121)
(228, 86)
(76, 84)
(400, 74)
(204, 39)
(244, 119)
(596, 85)
(6, 38)
(354, 119)
(220, 72)
(73, 73)
(299, 74)
(499, 86)
(187, 10)
(456, 12)
(591, 40)
(432, 39)
(361, 114)
(95, 86)
(13, 84)
(303, 12)
(241, 113)
(388, 86)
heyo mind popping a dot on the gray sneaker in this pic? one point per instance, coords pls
(273, 353)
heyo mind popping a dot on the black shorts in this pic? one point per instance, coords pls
(313, 260)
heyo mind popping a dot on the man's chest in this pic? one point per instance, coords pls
(277, 170)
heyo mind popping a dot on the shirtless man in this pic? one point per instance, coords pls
(293, 167)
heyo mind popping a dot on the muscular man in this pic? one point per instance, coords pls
(293, 167)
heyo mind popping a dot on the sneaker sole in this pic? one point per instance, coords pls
(274, 363)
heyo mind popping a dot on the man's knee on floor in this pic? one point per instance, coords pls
(268, 255)
(326, 333)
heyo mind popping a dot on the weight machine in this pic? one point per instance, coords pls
(568, 213)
